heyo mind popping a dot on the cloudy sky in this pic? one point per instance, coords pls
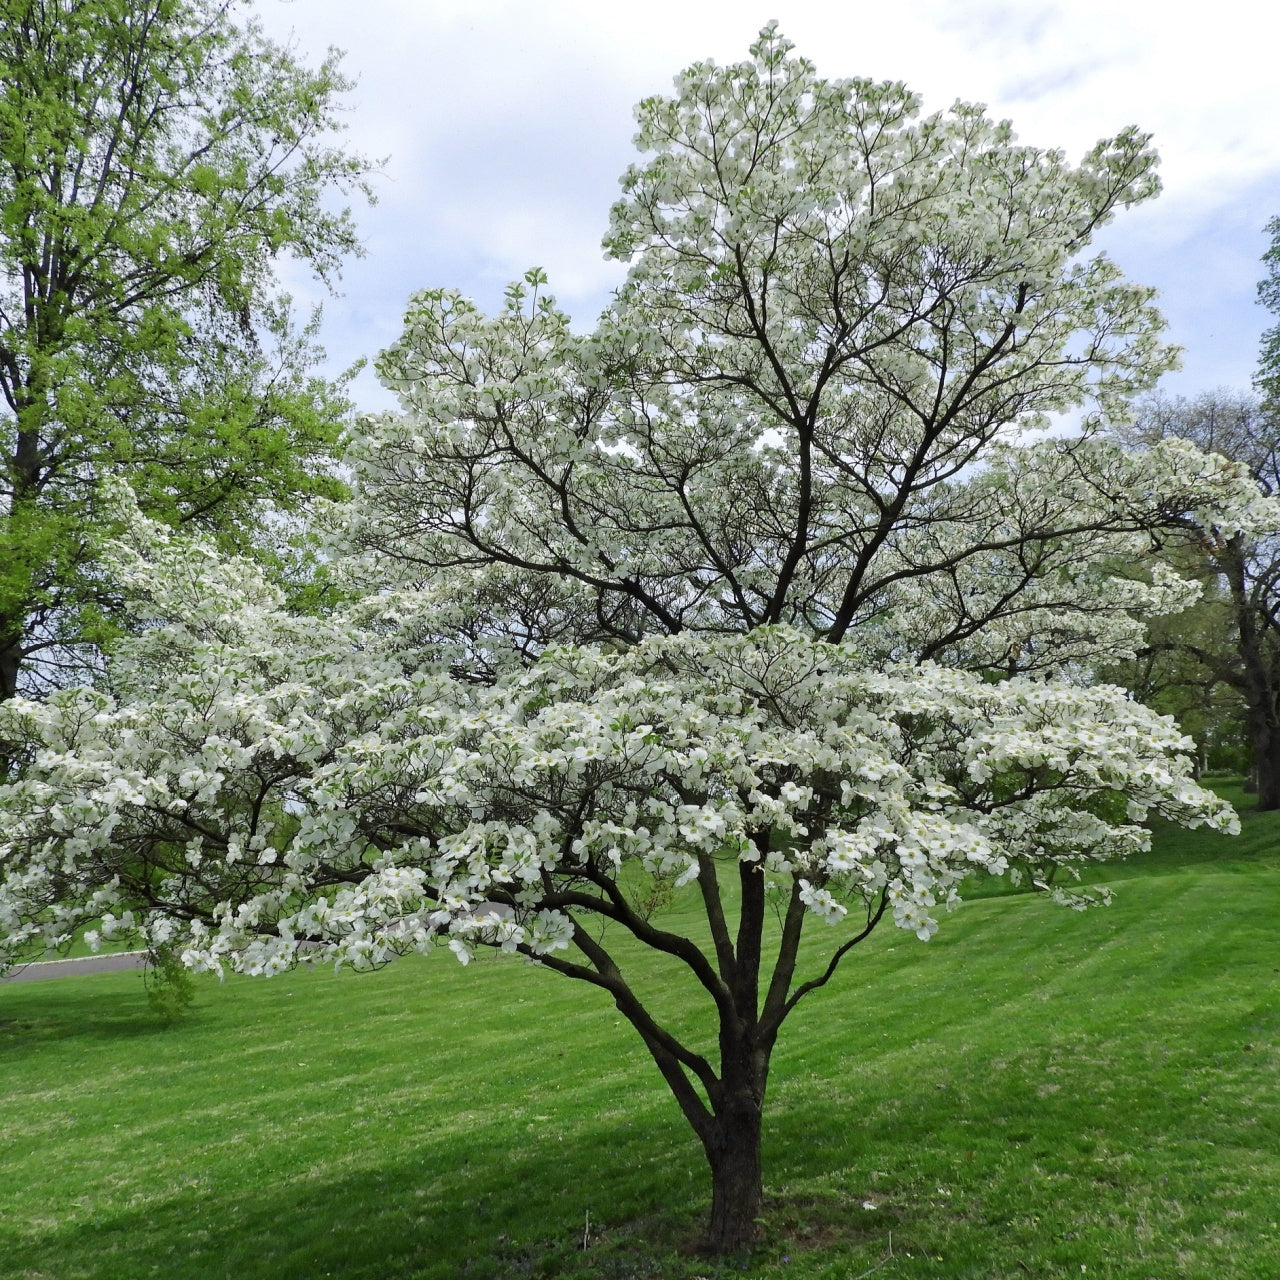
(504, 127)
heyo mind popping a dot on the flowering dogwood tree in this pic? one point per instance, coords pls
(750, 595)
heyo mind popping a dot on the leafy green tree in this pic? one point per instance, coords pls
(157, 159)
(1232, 639)
(1267, 379)
(1167, 675)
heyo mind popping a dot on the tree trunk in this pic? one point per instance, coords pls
(1266, 760)
(1259, 677)
(10, 664)
(733, 1151)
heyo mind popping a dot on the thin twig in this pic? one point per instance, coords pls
(862, 1275)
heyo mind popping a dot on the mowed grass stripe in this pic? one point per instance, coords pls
(1036, 1091)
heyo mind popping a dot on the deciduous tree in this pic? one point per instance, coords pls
(156, 161)
(1237, 642)
(750, 595)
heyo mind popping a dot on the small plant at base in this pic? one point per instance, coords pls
(171, 988)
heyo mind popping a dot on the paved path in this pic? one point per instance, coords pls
(41, 969)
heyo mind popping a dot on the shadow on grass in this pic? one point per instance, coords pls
(498, 1215)
(490, 1194)
(488, 1211)
(82, 1015)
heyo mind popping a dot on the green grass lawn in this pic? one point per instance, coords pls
(1034, 1093)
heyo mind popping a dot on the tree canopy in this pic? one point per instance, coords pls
(754, 594)
(1239, 649)
(156, 161)
(1267, 381)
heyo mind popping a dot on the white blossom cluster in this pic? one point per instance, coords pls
(758, 579)
(284, 790)
(799, 408)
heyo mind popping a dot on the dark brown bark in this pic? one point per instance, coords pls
(1258, 676)
(731, 1140)
(724, 1102)
(1266, 762)
(27, 469)
(737, 1188)
(10, 665)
